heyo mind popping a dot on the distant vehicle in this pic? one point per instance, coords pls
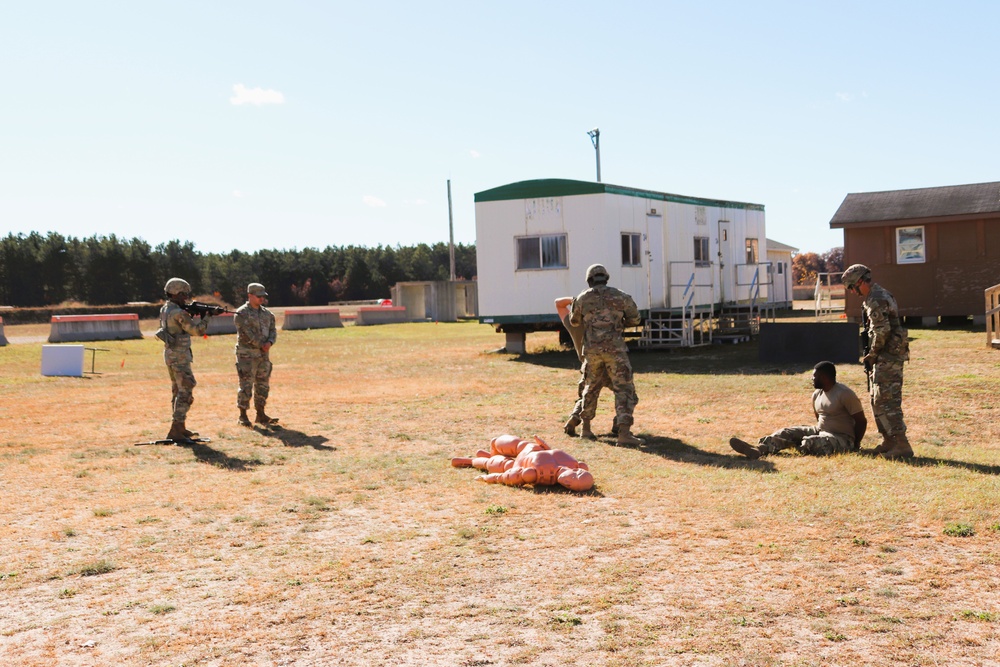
(384, 302)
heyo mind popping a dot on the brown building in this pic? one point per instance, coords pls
(935, 249)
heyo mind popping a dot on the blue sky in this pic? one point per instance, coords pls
(284, 125)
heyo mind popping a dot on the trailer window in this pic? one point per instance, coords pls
(751, 251)
(541, 252)
(701, 251)
(631, 250)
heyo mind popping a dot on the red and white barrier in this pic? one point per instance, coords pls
(75, 328)
(311, 318)
(380, 315)
(221, 324)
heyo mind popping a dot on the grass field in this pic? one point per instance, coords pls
(347, 539)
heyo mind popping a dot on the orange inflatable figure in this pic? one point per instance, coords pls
(511, 445)
(503, 450)
(533, 462)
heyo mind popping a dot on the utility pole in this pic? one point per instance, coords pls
(451, 234)
(595, 137)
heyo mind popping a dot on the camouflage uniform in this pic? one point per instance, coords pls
(600, 384)
(254, 329)
(807, 439)
(888, 343)
(605, 312)
(177, 327)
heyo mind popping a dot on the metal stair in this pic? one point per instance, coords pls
(672, 328)
(738, 322)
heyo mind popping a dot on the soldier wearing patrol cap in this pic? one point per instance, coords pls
(888, 348)
(605, 312)
(255, 334)
(176, 329)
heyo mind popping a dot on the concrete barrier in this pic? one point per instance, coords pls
(3, 339)
(221, 324)
(311, 318)
(76, 328)
(381, 315)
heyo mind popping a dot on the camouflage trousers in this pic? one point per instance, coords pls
(887, 396)
(600, 384)
(182, 381)
(806, 439)
(598, 368)
(254, 371)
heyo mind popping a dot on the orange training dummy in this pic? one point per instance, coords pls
(517, 462)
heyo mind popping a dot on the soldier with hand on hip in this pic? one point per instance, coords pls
(604, 313)
(176, 329)
(888, 348)
(255, 334)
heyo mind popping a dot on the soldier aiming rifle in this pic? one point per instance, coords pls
(176, 329)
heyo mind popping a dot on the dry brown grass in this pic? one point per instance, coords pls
(346, 538)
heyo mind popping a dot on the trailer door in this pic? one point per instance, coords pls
(726, 289)
(656, 265)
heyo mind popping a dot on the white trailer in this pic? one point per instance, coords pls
(779, 258)
(693, 265)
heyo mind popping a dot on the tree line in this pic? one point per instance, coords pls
(46, 270)
(807, 265)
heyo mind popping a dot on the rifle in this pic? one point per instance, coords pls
(204, 310)
(866, 344)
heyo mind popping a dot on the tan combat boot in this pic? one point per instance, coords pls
(626, 438)
(883, 447)
(244, 420)
(745, 448)
(899, 449)
(585, 432)
(886, 445)
(263, 419)
(570, 426)
(177, 432)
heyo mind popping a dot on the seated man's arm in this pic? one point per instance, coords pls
(860, 427)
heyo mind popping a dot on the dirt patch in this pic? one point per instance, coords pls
(347, 539)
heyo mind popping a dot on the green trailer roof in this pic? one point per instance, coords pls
(561, 187)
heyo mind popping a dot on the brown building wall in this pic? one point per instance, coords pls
(963, 259)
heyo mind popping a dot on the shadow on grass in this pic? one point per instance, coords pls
(678, 450)
(931, 462)
(292, 438)
(710, 360)
(555, 489)
(207, 454)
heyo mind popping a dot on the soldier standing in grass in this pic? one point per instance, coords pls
(176, 329)
(255, 334)
(840, 422)
(888, 348)
(563, 305)
(604, 313)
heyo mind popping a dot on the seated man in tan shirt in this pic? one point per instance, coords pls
(840, 422)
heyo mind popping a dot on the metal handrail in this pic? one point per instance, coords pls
(992, 314)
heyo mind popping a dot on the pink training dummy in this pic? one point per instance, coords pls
(514, 461)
